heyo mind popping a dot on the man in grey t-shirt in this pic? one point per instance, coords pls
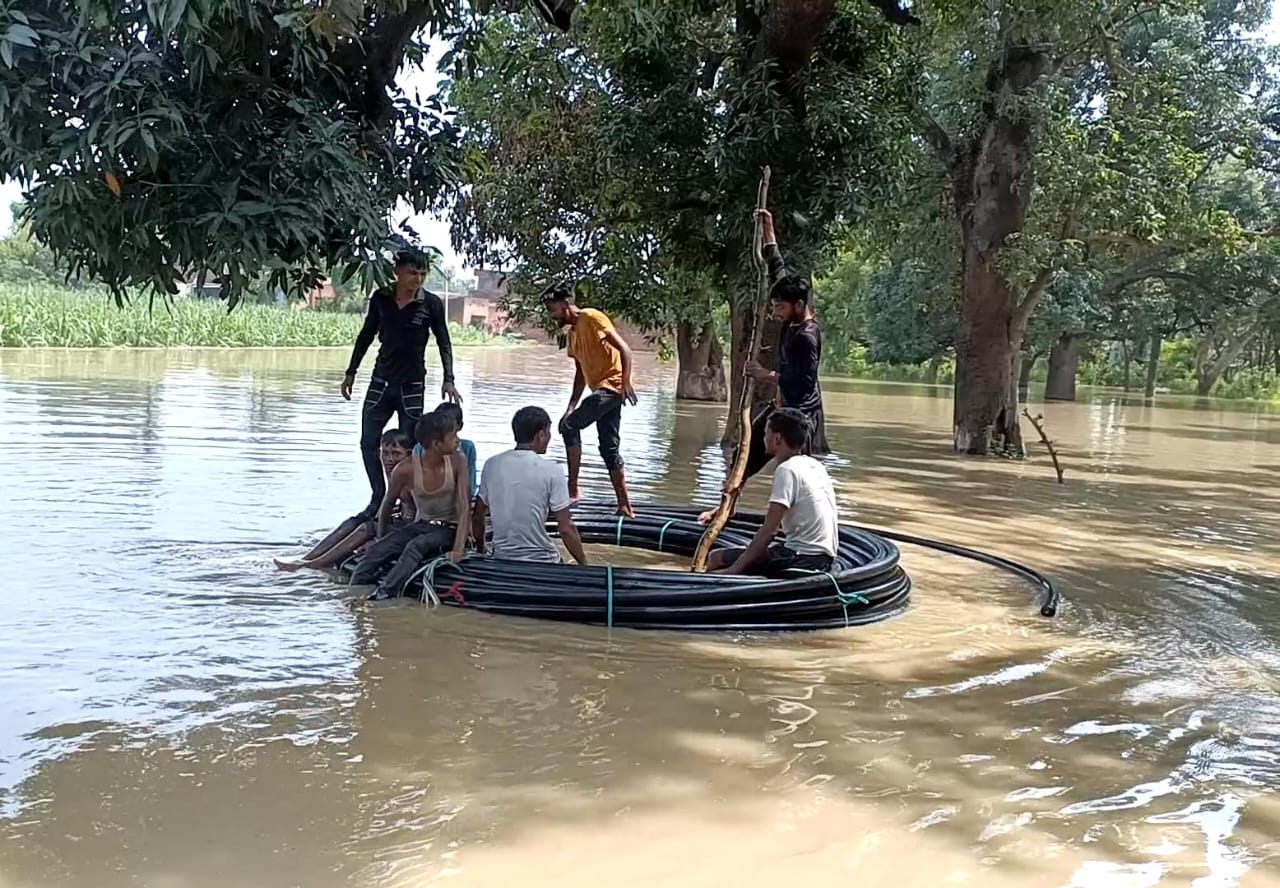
(519, 489)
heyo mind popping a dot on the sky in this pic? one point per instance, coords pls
(434, 230)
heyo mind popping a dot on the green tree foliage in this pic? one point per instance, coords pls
(160, 139)
(625, 156)
(1072, 149)
(24, 260)
(911, 313)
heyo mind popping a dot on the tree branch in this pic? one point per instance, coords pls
(1034, 294)
(938, 139)
(710, 68)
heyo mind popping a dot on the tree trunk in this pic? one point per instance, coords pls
(931, 372)
(1153, 364)
(1024, 376)
(740, 333)
(1127, 379)
(987, 351)
(993, 180)
(1209, 369)
(700, 373)
(1064, 361)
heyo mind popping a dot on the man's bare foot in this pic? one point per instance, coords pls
(283, 564)
(705, 517)
(626, 511)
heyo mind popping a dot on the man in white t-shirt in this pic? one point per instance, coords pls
(519, 489)
(802, 504)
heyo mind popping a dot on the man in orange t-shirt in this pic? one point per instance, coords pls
(603, 363)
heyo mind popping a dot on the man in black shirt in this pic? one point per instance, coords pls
(798, 357)
(402, 317)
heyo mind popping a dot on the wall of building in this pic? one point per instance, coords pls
(482, 307)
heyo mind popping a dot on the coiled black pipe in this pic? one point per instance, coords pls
(866, 583)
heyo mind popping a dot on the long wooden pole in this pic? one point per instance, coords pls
(747, 395)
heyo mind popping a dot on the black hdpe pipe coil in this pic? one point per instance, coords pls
(865, 585)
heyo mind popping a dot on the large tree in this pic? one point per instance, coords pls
(1069, 131)
(159, 139)
(626, 153)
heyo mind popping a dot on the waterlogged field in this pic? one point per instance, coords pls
(35, 316)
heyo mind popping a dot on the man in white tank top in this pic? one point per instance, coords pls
(437, 481)
(802, 504)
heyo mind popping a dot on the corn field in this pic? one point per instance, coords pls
(42, 316)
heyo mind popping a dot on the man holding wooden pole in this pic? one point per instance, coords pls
(799, 353)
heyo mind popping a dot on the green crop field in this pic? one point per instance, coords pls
(43, 316)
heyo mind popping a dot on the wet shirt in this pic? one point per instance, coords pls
(601, 363)
(521, 490)
(802, 486)
(468, 450)
(799, 351)
(403, 334)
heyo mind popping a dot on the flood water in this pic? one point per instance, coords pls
(174, 713)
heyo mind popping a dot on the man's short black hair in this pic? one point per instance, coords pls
(432, 427)
(411, 259)
(791, 288)
(557, 293)
(792, 425)
(397, 438)
(527, 422)
(453, 411)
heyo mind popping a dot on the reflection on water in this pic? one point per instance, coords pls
(176, 713)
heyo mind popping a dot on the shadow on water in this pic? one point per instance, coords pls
(182, 716)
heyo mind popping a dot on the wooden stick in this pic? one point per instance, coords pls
(747, 396)
(1038, 422)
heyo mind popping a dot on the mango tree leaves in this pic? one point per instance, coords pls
(180, 138)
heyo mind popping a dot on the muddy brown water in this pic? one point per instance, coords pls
(174, 713)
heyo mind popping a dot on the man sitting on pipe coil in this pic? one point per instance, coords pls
(520, 489)
(802, 504)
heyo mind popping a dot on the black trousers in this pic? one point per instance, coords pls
(382, 401)
(392, 559)
(604, 408)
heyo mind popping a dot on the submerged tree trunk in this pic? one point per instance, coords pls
(1153, 364)
(987, 351)
(700, 374)
(992, 180)
(1209, 369)
(1064, 361)
(931, 371)
(740, 332)
(1127, 349)
(1024, 376)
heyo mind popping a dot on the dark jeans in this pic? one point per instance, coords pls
(382, 401)
(757, 458)
(779, 561)
(604, 408)
(397, 555)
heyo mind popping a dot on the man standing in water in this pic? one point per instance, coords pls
(602, 360)
(402, 317)
(798, 356)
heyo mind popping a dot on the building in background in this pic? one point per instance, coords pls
(481, 307)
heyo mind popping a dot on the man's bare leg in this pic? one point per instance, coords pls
(573, 455)
(338, 533)
(618, 478)
(335, 554)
